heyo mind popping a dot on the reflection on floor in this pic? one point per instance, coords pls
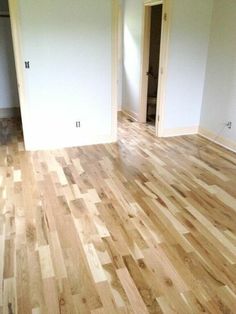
(146, 225)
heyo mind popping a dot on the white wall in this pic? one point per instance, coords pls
(133, 16)
(219, 101)
(8, 84)
(189, 35)
(69, 46)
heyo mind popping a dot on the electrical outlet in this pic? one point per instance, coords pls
(78, 124)
(229, 125)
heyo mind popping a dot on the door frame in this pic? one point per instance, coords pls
(116, 11)
(163, 62)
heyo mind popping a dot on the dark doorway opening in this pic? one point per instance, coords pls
(154, 57)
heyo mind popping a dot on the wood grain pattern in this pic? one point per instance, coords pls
(146, 225)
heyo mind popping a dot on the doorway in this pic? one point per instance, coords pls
(154, 61)
(153, 67)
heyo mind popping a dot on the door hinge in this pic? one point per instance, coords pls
(165, 16)
(162, 70)
(158, 118)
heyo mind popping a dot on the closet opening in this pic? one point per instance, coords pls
(10, 117)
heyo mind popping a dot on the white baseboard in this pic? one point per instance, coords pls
(6, 113)
(131, 114)
(41, 144)
(179, 131)
(226, 143)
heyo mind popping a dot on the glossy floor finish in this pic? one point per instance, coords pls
(147, 225)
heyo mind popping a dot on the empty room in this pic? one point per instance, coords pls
(117, 156)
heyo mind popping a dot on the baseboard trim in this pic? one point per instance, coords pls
(131, 114)
(6, 113)
(40, 145)
(179, 131)
(222, 141)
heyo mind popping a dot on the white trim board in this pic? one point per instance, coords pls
(194, 130)
(179, 131)
(115, 68)
(222, 141)
(84, 141)
(153, 2)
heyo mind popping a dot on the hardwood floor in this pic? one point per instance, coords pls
(147, 225)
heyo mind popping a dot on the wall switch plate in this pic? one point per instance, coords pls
(77, 124)
(229, 125)
(27, 64)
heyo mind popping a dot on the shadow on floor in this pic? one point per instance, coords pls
(10, 129)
